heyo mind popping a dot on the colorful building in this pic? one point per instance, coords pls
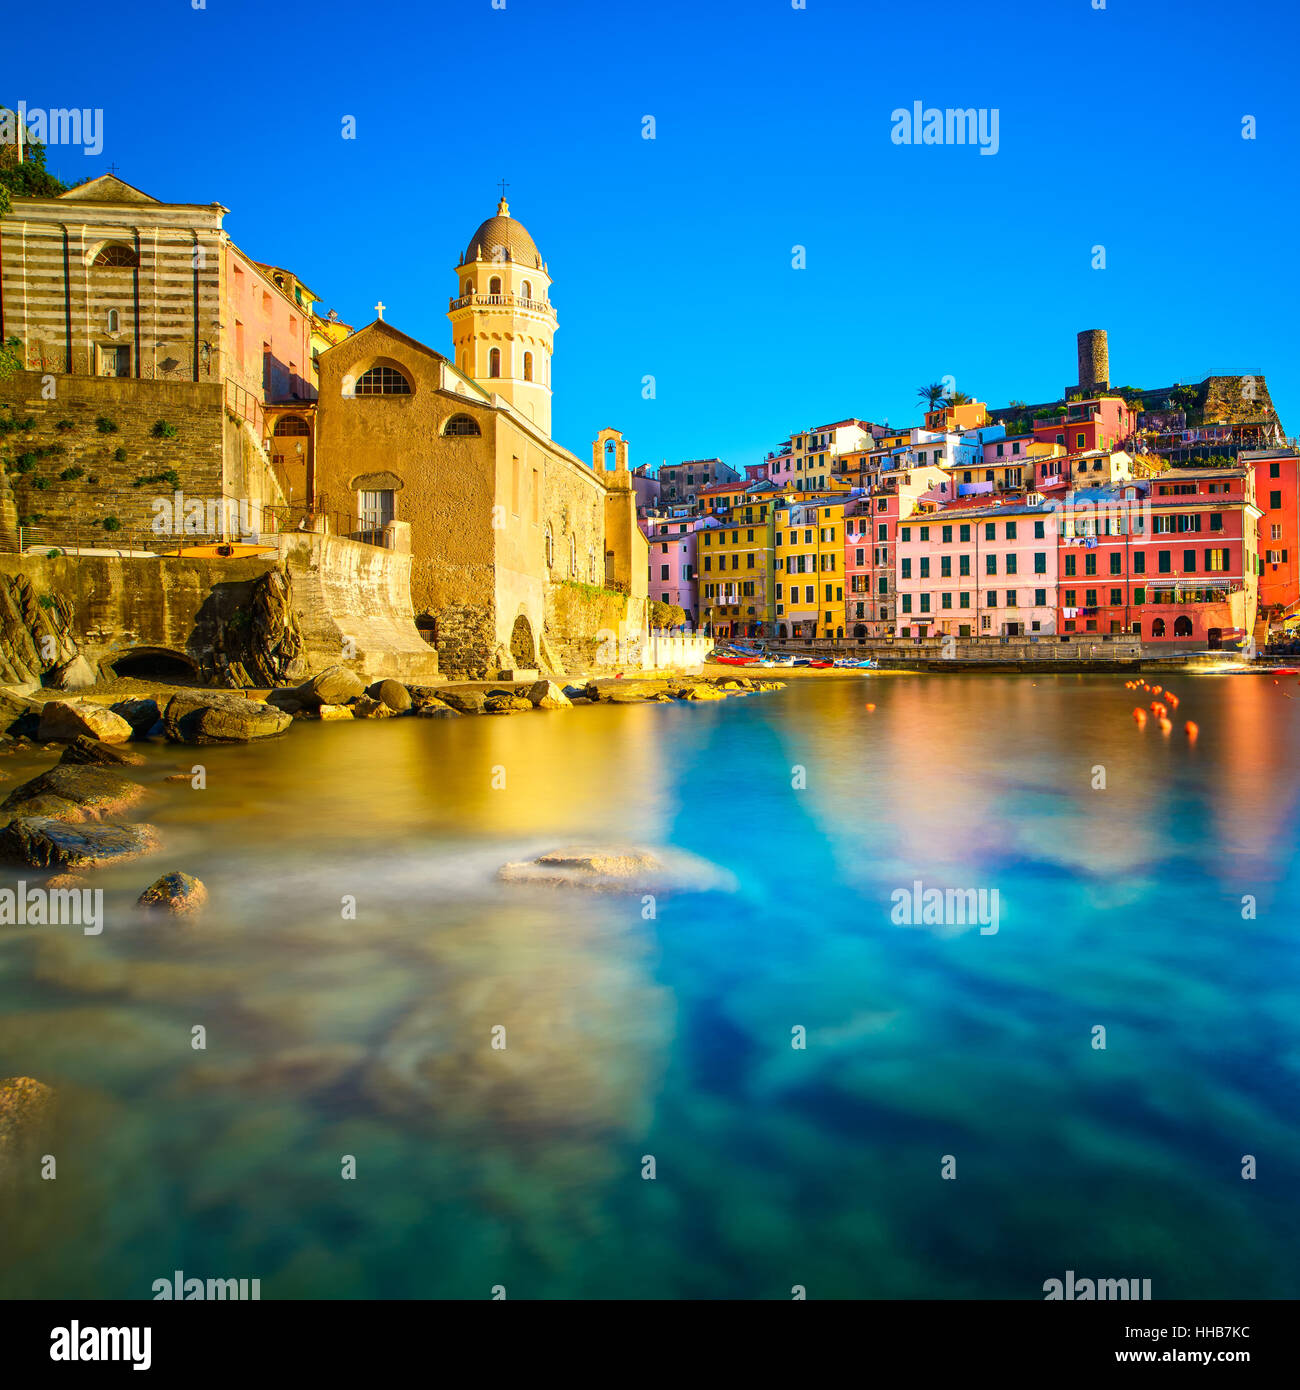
(680, 484)
(1169, 559)
(674, 562)
(978, 571)
(1277, 496)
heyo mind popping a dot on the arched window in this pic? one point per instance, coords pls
(290, 425)
(468, 289)
(113, 320)
(116, 255)
(494, 362)
(528, 366)
(382, 381)
(1158, 628)
(526, 289)
(462, 424)
(550, 547)
(1182, 626)
(494, 285)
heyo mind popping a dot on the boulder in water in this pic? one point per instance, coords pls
(64, 720)
(44, 843)
(393, 693)
(97, 753)
(548, 695)
(619, 869)
(176, 892)
(143, 716)
(209, 716)
(26, 1106)
(74, 792)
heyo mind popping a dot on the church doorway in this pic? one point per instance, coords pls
(521, 644)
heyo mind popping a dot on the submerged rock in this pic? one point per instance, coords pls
(74, 792)
(25, 1109)
(97, 753)
(44, 842)
(176, 892)
(584, 1039)
(619, 869)
(65, 720)
(328, 712)
(209, 716)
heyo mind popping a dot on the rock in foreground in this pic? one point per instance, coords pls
(65, 720)
(210, 716)
(74, 792)
(46, 843)
(94, 752)
(620, 869)
(176, 892)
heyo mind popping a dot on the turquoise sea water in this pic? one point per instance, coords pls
(629, 1035)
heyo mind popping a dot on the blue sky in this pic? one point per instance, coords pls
(672, 257)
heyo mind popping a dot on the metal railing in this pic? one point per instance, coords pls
(181, 523)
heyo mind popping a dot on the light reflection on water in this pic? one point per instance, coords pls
(670, 1035)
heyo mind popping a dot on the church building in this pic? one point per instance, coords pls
(458, 451)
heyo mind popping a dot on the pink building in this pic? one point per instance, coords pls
(270, 337)
(674, 562)
(978, 571)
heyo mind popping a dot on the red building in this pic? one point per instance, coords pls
(1171, 558)
(1103, 422)
(1277, 495)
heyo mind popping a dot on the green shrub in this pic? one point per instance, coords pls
(64, 425)
(105, 426)
(70, 475)
(169, 476)
(40, 484)
(162, 430)
(26, 462)
(111, 523)
(119, 454)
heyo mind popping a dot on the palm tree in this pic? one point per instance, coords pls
(932, 394)
(960, 398)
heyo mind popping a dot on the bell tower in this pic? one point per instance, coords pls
(502, 320)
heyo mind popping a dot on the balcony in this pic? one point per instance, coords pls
(500, 301)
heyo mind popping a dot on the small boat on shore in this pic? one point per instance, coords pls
(736, 660)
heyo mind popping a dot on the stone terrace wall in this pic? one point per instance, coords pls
(352, 601)
(354, 606)
(74, 510)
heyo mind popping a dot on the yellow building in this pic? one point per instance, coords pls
(737, 595)
(502, 321)
(809, 588)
